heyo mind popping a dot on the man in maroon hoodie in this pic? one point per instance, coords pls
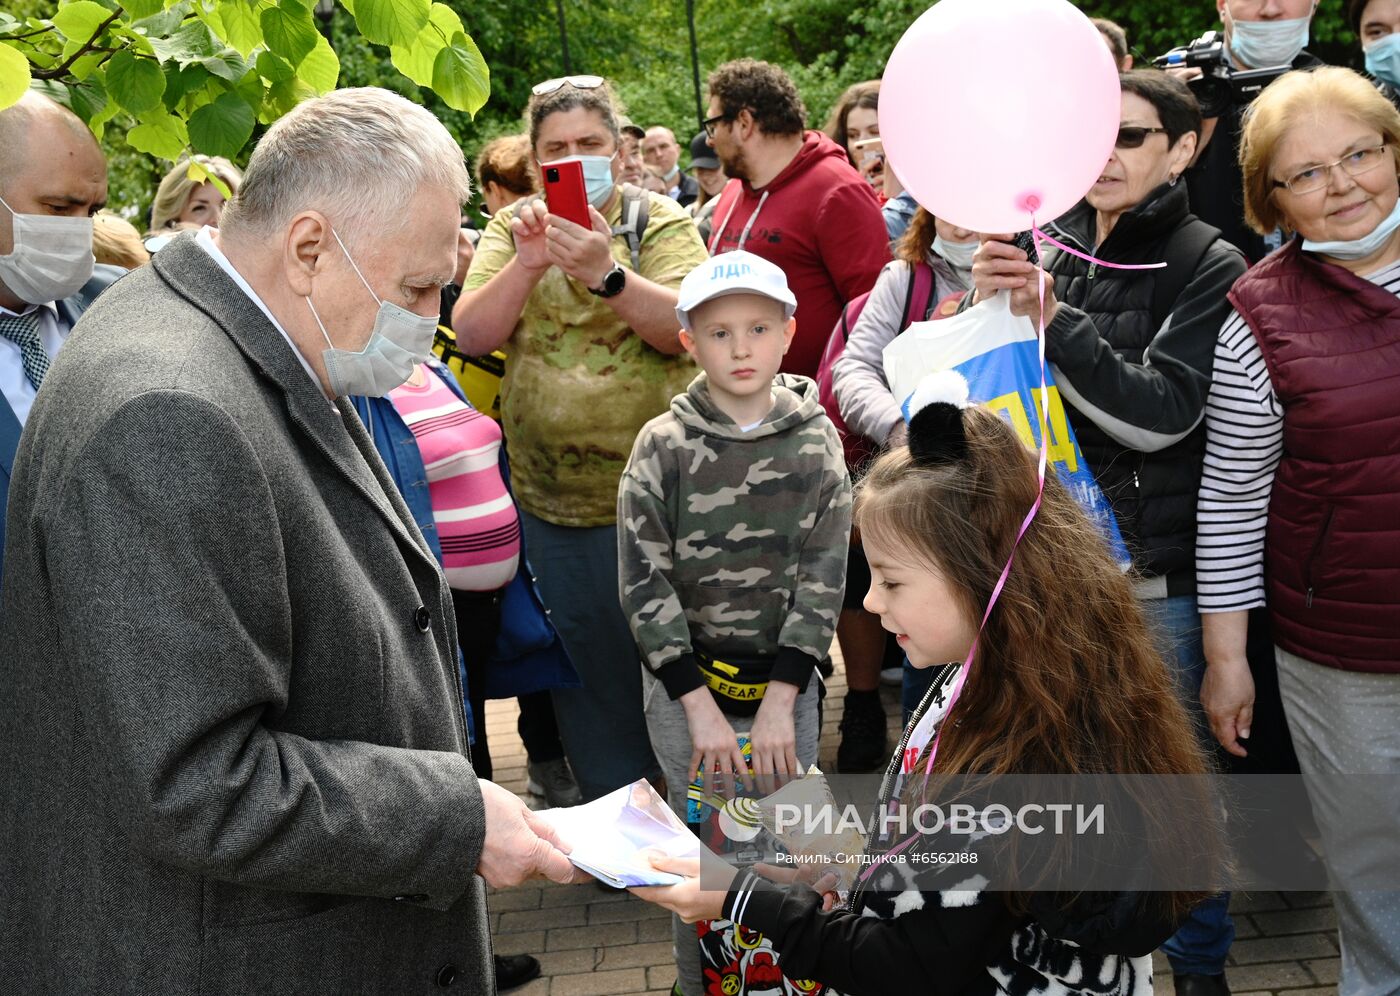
(798, 202)
(795, 200)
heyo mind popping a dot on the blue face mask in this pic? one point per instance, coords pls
(598, 182)
(1359, 248)
(1260, 44)
(1383, 60)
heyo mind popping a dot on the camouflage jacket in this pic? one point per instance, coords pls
(735, 540)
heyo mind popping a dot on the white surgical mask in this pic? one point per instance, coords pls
(1261, 44)
(598, 179)
(1362, 247)
(1383, 59)
(957, 254)
(52, 257)
(400, 341)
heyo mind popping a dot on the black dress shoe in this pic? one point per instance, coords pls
(515, 970)
(1192, 984)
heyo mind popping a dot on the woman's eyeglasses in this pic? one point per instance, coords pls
(1132, 136)
(1314, 178)
(582, 82)
(711, 124)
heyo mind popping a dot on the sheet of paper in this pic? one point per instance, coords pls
(607, 836)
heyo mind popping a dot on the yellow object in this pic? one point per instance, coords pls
(478, 376)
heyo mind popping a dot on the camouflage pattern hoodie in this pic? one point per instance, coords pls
(734, 541)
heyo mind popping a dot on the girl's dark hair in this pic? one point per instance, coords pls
(1067, 679)
(1175, 103)
(865, 94)
(568, 97)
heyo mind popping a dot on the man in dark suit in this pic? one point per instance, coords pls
(53, 179)
(235, 748)
(662, 156)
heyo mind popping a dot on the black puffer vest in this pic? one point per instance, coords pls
(1153, 494)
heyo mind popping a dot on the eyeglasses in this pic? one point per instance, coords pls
(710, 124)
(1132, 136)
(1314, 178)
(582, 82)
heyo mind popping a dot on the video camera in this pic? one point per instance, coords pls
(1220, 86)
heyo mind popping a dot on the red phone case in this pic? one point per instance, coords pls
(564, 192)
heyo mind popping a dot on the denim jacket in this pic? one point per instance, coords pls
(529, 656)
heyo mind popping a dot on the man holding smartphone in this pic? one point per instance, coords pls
(594, 354)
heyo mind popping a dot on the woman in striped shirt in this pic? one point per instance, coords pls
(1300, 499)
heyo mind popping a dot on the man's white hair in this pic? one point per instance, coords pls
(357, 155)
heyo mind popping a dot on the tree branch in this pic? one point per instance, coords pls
(67, 64)
(27, 34)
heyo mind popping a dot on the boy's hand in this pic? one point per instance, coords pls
(715, 744)
(773, 737)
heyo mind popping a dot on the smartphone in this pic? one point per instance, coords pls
(1025, 241)
(564, 192)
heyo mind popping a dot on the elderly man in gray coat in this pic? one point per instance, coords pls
(235, 754)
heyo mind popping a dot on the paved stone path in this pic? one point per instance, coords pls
(595, 943)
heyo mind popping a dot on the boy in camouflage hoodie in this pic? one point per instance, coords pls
(734, 517)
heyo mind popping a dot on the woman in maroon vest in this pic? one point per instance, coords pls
(1300, 502)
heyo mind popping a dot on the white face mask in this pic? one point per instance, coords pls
(400, 341)
(957, 254)
(1359, 248)
(1261, 44)
(52, 257)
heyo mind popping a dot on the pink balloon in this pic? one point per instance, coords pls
(994, 111)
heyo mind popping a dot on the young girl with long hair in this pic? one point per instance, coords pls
(1062, 678)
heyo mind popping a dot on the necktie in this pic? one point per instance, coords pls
(23, 331)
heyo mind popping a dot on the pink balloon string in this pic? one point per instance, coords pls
(1038, 235)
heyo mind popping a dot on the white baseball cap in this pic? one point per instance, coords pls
(737, 272)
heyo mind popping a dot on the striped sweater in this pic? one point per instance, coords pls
(477, 523)
(1244, 444)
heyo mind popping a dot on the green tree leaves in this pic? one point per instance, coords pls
(288, 30)
(137, 84)
(185, 76)
(460, 76)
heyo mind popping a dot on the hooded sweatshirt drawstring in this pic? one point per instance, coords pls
(744, 235)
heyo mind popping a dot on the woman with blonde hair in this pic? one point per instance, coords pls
(1301, 493)
(183, 202)
(116, 241)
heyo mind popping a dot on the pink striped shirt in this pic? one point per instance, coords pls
(477, 523)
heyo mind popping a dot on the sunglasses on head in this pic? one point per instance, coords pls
(1132, 136)
(581, 82)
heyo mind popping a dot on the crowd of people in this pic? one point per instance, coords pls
(265, 559)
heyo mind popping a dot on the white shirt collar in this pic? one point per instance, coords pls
(205, 239)
(51, 307)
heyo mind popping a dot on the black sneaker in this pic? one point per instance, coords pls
(515, 970)
(554, 782)
(864, 741)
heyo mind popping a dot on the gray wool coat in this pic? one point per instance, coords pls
(234, 751)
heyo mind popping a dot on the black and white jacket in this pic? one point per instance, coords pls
(946, 933)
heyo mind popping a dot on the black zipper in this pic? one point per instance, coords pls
(1310, 573)
(892, 771)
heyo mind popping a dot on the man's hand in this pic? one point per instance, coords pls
(465, 252)
(583, 253)
(531, 246)
(713, 739)
(998, 265)
(773, 736)
(519, 845)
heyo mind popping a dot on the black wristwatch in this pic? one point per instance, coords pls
(613, 282)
